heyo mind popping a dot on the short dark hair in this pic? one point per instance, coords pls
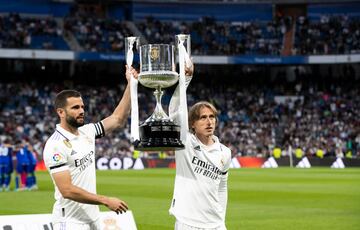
(194, 112)
(60, 99)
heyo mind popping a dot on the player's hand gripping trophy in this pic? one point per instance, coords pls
(157, 71)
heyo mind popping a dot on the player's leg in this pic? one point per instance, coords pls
(23, 176)
(19, 170)
(33, 182)
(2, 177)
(17, 181)
(30, 176)
(7, 178)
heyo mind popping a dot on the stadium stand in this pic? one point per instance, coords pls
(318, 110)
(98, 35)
(326, 30)
(210, 37)
(252, 122)
(35, 33)
(329, 35)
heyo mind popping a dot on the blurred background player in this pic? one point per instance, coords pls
(22, 166)
(31, 178)
(6, 165)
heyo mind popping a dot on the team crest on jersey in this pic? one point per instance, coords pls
(222, 162)
(67, 143)
(88, 139)
(57, 157)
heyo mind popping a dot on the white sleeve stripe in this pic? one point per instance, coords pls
(96, 129)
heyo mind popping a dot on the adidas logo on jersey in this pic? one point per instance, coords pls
(73, 152)
(197, 148)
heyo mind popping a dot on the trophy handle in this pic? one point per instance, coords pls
(129, 48)
(183, 40)
(187, 42)
(129, 57)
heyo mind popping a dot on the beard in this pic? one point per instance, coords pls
(73, 122)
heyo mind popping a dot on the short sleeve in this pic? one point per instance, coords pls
(228, 160)
(99, 129)
(94, 129)
(55, 159)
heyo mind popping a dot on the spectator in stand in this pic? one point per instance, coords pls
(250, 120)
(214, 38)
(18, 32)
(96, 33)
(329, 35)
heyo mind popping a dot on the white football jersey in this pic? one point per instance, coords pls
(66, 151)
(200, 191)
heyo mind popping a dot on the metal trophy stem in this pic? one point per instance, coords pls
(159, 113)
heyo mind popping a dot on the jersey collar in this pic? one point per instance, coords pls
(66, 134)
(215, 146)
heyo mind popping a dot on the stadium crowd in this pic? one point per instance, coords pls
(96, 33)
(253, 120)
(211, 37)
(329, 35)
(17, 31)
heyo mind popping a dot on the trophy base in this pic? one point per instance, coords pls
(159, 135)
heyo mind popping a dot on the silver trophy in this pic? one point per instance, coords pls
(158, 71)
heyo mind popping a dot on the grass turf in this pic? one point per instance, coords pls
(283, 198)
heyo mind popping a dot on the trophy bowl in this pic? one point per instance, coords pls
(157, 71)
(157, 66)
(155, 79)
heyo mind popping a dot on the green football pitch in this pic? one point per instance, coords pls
(283, 198)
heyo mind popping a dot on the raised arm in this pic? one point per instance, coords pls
(118, 118)
(175, 99)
